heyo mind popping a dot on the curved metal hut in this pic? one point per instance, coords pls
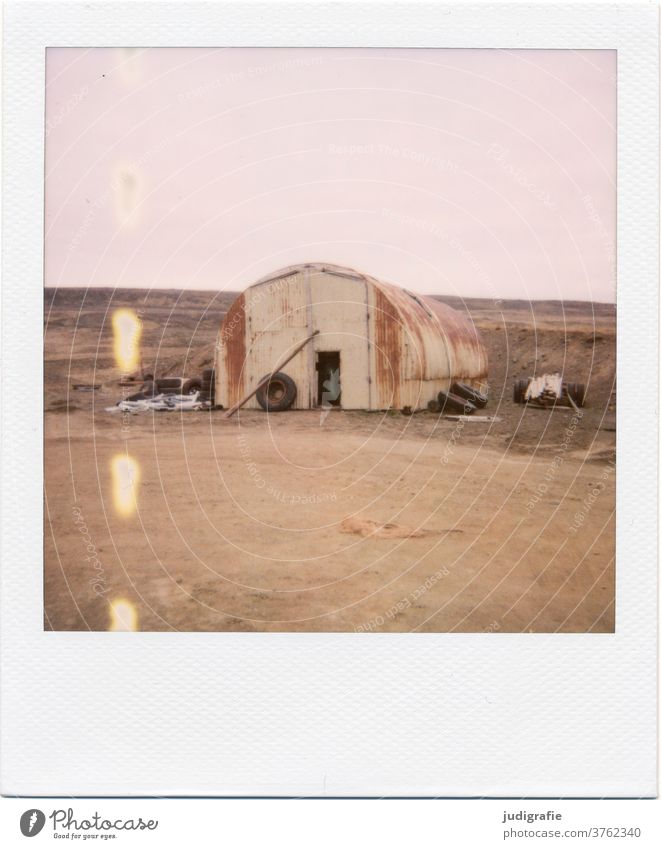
(377, 346)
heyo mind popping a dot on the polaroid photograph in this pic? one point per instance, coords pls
(268, 424)
(329, 401)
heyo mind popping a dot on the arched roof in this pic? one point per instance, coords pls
(430, 323)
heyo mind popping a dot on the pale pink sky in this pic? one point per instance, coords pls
(461, 172)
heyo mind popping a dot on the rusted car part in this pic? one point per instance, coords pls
(548, 390)
(179, 385)
(451, 403)
(473, 395)
(169, 385)
(278, 394)
(268, 377)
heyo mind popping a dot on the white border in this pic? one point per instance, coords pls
(343, 714)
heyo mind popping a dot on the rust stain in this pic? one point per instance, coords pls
(233, 340)
(443, 340)
(387, 350)
(470, 356)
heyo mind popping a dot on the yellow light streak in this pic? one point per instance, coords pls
(125, 482)
(127, 330)
(123, 615)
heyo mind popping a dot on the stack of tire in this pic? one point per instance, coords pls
(462, 399)
(208, 385)
(520, 387)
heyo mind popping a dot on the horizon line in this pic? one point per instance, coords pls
(232, 291)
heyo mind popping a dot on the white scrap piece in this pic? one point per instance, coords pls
(164, 401)
(544, 386)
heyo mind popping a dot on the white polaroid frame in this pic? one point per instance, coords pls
(231, 714)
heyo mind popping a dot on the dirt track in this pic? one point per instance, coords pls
(238, 525)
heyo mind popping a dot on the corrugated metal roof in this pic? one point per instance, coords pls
(425, 319)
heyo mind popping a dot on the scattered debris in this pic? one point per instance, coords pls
(61, 406)
(161, 403)
(369, 528)
(451, 403)
(470, 393)
(474, 418)
(86, 387)
(463, 399)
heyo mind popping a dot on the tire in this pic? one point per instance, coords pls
(433, 406)
(191, 386)
(451, 403)
(577, 392)
(209, 388)
(463, 390)
(520, 387)
(278, 394)
(209, 381)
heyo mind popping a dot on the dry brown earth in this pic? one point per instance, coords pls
(239, 523)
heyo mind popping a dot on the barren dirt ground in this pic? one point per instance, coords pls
(239, 523)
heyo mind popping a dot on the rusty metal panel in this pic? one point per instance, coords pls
(439, 342)
(231, 355)
(387, 357)
(467, 355)
(276, 304)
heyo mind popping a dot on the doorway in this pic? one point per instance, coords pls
(329, 386)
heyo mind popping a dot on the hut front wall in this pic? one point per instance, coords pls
(339, 312)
